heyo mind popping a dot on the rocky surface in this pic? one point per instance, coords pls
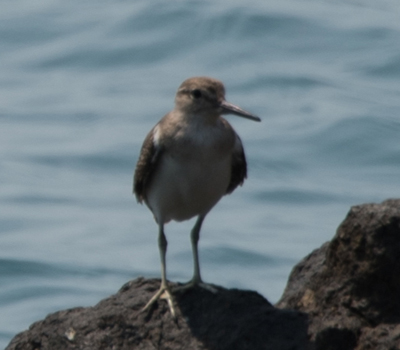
(350, 287)
(229, 319)
(344, 295)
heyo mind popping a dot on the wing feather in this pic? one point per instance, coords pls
(239, 166)
(147, 164)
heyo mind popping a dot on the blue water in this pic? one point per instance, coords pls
(81, 84)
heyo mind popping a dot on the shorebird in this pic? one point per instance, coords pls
(189, 160)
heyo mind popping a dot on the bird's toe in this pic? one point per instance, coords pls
(163, 293)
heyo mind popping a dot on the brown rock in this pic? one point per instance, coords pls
(230, 319)
(350, 287)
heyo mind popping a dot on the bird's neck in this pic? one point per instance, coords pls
(197, 119)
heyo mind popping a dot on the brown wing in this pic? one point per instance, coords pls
(239, 166)
(146, 165)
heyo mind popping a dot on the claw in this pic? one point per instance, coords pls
(163, 293)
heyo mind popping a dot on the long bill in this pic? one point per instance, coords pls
(229, 108)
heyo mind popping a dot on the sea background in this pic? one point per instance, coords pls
(82, 82)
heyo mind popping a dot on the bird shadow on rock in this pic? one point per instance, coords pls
(232, 319)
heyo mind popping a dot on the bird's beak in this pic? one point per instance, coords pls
(229, 108)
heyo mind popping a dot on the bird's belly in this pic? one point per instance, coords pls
(181, 190)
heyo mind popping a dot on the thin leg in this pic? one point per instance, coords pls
(194, 237)
(164, 291)
(196, 279)
(162, 247)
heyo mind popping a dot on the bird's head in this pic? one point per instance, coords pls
(204, 96)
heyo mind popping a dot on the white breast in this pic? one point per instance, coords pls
(190, 180)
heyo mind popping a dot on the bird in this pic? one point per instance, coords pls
(188, 161)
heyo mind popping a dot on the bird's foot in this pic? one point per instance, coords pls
(163, 293)
(196, 283)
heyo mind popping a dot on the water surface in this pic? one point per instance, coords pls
(82, 83)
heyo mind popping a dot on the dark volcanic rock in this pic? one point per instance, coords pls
(230, 319)
(350, 287)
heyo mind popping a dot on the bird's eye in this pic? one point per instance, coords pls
(196, 93)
